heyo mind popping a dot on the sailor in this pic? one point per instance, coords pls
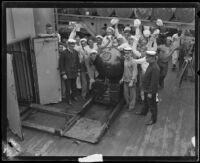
(129, 79)
(90, 67)
(175, 55)
(70, 69)
(150, 86)
(83, 69)
(108, 38)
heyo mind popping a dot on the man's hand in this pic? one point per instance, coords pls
(90, 84)
(64, 77)
(121, 81)
(130, 83)
(149, 95)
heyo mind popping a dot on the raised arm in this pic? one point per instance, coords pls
(140, 61)
(73, 33)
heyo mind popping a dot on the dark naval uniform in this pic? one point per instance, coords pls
(70, 66)
(150, 85)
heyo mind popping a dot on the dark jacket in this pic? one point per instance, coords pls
(69, 63)
(151, 78)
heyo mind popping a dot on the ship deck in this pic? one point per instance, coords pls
(128, 135)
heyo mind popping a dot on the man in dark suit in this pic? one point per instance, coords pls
(70, 69)
(150, 85)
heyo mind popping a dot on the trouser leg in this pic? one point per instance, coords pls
(145, 107)
(152, 107)
(63, 88)
(68, 89)
(73, 87)
(163, 73)
(126, 92)
(132, 97)
(84, 84)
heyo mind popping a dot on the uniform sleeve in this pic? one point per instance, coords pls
(135, 71)
(62, 63)
(72, 34)
(78, 61)
(140, 61)
(154, 81)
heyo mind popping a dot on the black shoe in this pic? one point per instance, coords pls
(69, 102)
(150, 122)
(140, 113)
(74, 99)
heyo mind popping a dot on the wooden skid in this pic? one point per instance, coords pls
(49, 109)
(41, 127)
(100, 130)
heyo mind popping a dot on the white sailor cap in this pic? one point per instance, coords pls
(159, 22)
(92, 51)
(175, 36)
(169, 38)
(133, 37)
(99, 36)
(146, 33)
(136, 23)
(156, 32)
(110, 28)
(127, 48)
(83, 39)
(152, 53)
(127, 29)
(119, 36)
(71, 41)
(114, 21)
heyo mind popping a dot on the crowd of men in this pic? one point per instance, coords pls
(147, 53)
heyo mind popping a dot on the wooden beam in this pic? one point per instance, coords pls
(80, 18)
(38, 127)
(50, 110)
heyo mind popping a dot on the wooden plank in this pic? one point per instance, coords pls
(49, 109)
(41, 127)
(86, 106)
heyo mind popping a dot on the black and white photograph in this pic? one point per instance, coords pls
(99, 81)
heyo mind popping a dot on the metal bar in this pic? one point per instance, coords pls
(34, 68)
(24, 75)
(169, 24)
(27, 56)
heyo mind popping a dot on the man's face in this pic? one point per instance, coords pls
(150, 59)
(109, 32)
(126, 34)
(60, 48)
(90, 42)
(127, 54)
(99, 40)
(93, 56)
(49, 30)
(77, 39)
(71, 45)
(168, 42)
(83, 43)
(130, 40)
